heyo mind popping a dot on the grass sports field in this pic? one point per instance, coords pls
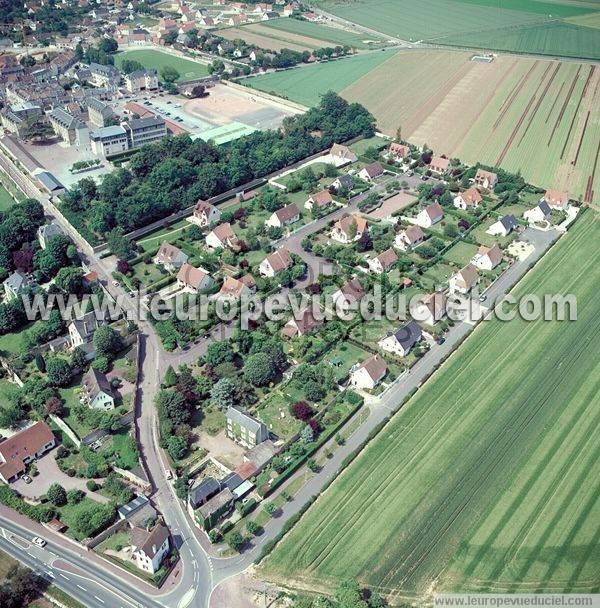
(188, 70)
(489, 478)
(306, 84)
(502, 25)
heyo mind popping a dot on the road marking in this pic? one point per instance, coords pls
(187, 598)
(82, 588)
(61, 574)
(100, 600)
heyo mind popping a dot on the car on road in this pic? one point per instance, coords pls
(168, 474)
(482, 297)
(26, 478)
(440, 341)
(116, 283)
(410, 173)
(424, 178)
(132, 294)
(40, 542)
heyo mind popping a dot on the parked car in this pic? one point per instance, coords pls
(482, 297)
(26, 478)
(40, 542)
(440, 341)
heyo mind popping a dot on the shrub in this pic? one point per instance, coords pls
(57, 495)
(91, 485)
(75, 496)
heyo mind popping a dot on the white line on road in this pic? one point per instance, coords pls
(82, 588)
(100, 600)
(65, 577)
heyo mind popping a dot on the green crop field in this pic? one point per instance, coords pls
(534, 27)
(188, 70)
(489, 478)
(306, 85)
(556, 38)
(327, 35)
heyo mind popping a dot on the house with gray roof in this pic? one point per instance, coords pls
(99, 112)
(46, 232)
(245, 429)
(97, 391)
(16, 283)
(402, 340)
(201, 493)
(70, 129)
(81, 331)
(504, 226)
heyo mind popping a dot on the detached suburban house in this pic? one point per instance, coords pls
(245, 429)
(504, 226)
(464, 280)
(193, 279)
(236, 288)
(469, 199)
(349, 228)
(409, 237)
(205, 214)
(432, 214)
(149, 547)
(431, 308)
(305, 324)
(275, 263)
(222, 237)
(284, 216)
(371, 172)
(171, 257)
(342, 155)
(556, 200)
(439, 165)
(369, 373)
(399, 151)
(485, 179)
(97, 390)
(402, 340)
(343, 181)
(351, 291)
(384, 261)
(46, 232)
(16, 283)
(487, 258)
(541, 213)
(18, 451)
(81, 331)
(319, 200)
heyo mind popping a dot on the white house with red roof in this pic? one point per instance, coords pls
(18, 451)
(439, 165)
(369, 373)
(469, 199)
(275, 263)
(487, 258)
(205, 214)
(193, 279)
(431, 215)
(284, 217)
(349, 228)
(556, 200)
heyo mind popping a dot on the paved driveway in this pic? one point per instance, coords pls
(49, 473)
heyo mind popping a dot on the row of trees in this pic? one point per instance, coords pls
(175, 172)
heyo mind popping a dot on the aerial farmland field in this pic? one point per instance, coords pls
(478, 23)
(535, 116)
(305, 85)
(488, 480)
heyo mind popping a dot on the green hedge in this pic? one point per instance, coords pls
(12, 499)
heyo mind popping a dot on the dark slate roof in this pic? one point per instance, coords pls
(545, 207)
(206, 489)
(509, 222)
(231, 481)
(408, 335)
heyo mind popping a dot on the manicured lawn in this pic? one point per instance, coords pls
(69, 513)
(461, 253)
(306, 85)
(114, 541)
(360, 146)
(6, 200)
(343, 357)
(188, 70)
(155, 239)
(487, 480)
(438, 274)
(488, 240)
(275, 413)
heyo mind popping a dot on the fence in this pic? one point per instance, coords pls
(65, 428)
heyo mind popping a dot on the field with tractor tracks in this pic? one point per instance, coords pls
(488, 480)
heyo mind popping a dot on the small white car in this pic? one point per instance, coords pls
(115, 283)
(40, 542)
(26, 478)
(168, 474)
